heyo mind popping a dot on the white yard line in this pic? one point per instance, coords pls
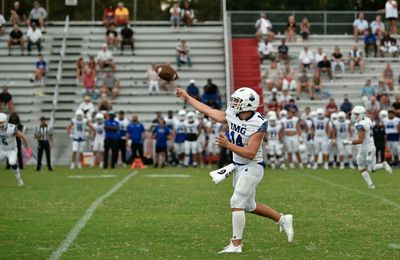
(167, 175)
(381, 198)
(91, 176)
(73, 234)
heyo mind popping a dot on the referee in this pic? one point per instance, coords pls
(44, 135)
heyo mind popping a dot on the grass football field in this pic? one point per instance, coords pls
(176, 213)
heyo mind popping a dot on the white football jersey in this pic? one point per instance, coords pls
(289, 125)
(342, 129)
(78, 129)
(391, 125)
(366, 125)
(170, 122)
(240, 132)
(215, 129)
(320, 127)
(202, 124)
(273, 131)
(100, 132)
(7, 138)
(192, 130)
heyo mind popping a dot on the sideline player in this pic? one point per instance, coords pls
(392, 129)
(341, 131)
(274, 143)
(246, 133)
(98, 142)
(291, 130)
(192, 129)
(179, 133)
(8, 145)
(366, 159)
(320, 131)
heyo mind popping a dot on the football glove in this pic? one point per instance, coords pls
(223, 173)
(347, 142)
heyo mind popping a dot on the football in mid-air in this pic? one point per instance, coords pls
(166, 72)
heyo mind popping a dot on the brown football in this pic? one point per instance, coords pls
(166, 72)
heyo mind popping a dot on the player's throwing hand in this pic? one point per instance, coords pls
(180, 93)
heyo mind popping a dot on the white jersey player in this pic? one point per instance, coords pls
(274, 143)
(333, 150)
(246, 131)
(8, 146)
(341, 131)
(98, 142)
(192, 133)
(366, 159)
(213, 129)
(310, 139)
(202, 138)
(392, 130)
(180, 137)
(291, 130)
(170, 121)
(320, 131)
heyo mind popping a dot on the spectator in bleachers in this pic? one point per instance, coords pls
(41, 68)
(289, 81)
(388, 44)
(317, 85)
(360, 26)
(127, 38)
(112, 37)
(104, 104)
(373, 106)
(377, 26)
(187, 14)
(368, 90)
(108, 16)
(273, 76)
(79, 67)
(337, 59)
(211, 96)
(17, 14)
(175, 18)
(391, 15)
(324, 66)
(384, 101)
(2, 25)
(6, 100)
(273, 105)
(87, 107)
(264, 28)
(121, 14)
(153, 79)
(291, 29)
(266, 51)
(396, 104)
(37, 15)
(370, 41)
(319, 56)
(356, 59)
(16, 38)
(331, 107)
(193, 90)
(304, 82)
(284, 97)
(91, 64)
(381, 89)
(291, 106)
(305, 27)
(34, 36)
(110, 85)
(388, 76)
(274, 94)
(306, 58)
(346, 106)
(283, 51)
(105, 58)
(89, 84)
(182, 54)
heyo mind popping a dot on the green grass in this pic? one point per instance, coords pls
(189, 218)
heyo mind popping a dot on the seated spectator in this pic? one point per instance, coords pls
(284, 97)
(175, 18)
(331, 107)
(289, 81)
(182, 54)
(305, 27)
(211, 96)
(377, 26)
(291, 106)
(273, 76)
(105, 58)
(92, 64)
(356, 59)
(37, 15)
(6, 100)
(388, 76)
(108, 16)
(381, 89)
(283, 51)
(87, 107)
(104, 104)
(152, 79)
(127, 38)
(317, 85)
(370, 40)
(388, 44)
(325, 66)
(34, 36)
(291, 29)
(346, 106)
(360, 26)
(41, 68)
(304, 82)
(306, 58)
(17, 14)
(273, 95)
(373, 106)
(2, 25)
(337, 59)
(368, 90)
(187, 14)
(79, 67)
(110, 85)
(384, 102)
(193, 90)
(264, 28)
(319, 56)
(273, 105)
(89, 84)
(16, 38)
(112, 37)
(266, 51)
(121, 15)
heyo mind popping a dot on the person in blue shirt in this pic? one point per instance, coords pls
(193, 90)
(135, 132)
(370, 41)
(123, 125)
(292, 106)
(111, 127)
(41, 67)
(161, 134)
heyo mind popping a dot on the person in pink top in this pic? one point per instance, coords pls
(89, 84)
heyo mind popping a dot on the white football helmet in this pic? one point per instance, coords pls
(341, 116)
(283, 113)
(272, 120)
(182, 115)
(99, 117)
(313, 114)
(3, 120)
(334, 117)
(190, 116)
(320, 113)
(383, 114)
(244, 99)
(270, 114)
(358, 113)
(79, 114)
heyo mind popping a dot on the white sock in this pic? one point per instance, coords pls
(187, 159)
(377, 166)
(342, 164)
(367, 178)
(15, 170)
(238, 222)
(326, 164)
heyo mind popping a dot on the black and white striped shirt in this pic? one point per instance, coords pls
(43, 133)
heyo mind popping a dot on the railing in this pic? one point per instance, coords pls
(228, 52)
(59, 71)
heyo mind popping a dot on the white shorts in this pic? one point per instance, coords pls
(98, 146)
(274, 148)
(191, 147)
(245, 180)
(343, 150)
(310, 147)
(77, 146)
(394, 147)
(321, 145)
(292, 143)
(179, 148)
(201, 145)
(10, 155)
(366, 157)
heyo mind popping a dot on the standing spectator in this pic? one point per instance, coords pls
(319, 56)
(175, 18)
(127, 38)
(161, 134)
(110, 85)
(193, 90)
(291, 29)
(331, 107)
(105, 58)
(317, 85)
(388, 44)
(123, 126)
(337, 59)
(182, 54)
(283, 51)
(16, 38)
(153, 79)
(377, 26)
(388, 76)
(273, 76)
(87, 107)
(112, 37)
(391, 14)
(187, 14)
(264, 28)
(368, 90)
(91, 64)
(370, 40)
(325, 66)
(356, 59)
(306, 58)
(34, 36)
(108, 16)
(104, 104)
(37, 15)
(266, 51)
(346, 106)
(41, 68)
(6, 100)
(111, 126)
(89, 84)
(135, 133)
(305, 27)
(17, 14)
(211, 96)
(2, 25)
(121, 14)
(44, 135)
(79, 68)
(304, 83)
(360, 26)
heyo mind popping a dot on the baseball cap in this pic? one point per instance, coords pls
(192, 81)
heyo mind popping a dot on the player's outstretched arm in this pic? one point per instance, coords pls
(249, 151)
(215, 114)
